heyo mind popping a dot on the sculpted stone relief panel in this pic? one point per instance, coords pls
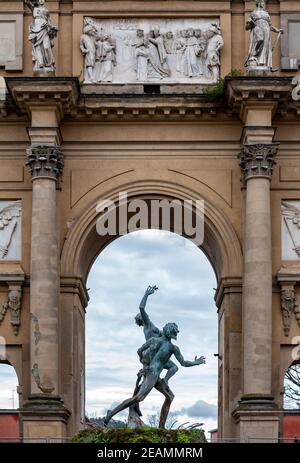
(290, 230)
(10, 230)
(151, 50)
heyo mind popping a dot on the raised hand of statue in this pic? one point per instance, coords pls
(200, 360)
(151, 290)
(31, 4)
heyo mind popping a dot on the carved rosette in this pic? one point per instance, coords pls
(45, 161)
(258, 160)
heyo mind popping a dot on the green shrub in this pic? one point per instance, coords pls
(217, 91)
(139, 435)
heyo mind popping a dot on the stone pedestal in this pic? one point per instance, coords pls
(258, 420)
(45, 419)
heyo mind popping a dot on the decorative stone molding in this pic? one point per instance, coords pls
(10, 230)
(257, 160)
(288, 307)
(45, 161)
(59, 92)
(288, 277)
(45, 407)
(276, 92)
(46, 387)
(13, 305)
(290, 230)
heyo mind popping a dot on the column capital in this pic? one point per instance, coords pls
(257, 99)
(45, 161)
(257, 160)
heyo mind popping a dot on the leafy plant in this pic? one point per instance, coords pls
(139, 435)
(217, 91)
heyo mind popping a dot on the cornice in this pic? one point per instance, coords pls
(272, 92)
(29, 92)
(74, 103)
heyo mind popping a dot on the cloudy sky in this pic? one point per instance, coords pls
(117, 283)
(118, 280)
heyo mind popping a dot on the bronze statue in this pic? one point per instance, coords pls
(155, 356)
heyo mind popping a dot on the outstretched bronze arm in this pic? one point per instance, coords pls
(145, 316)
(187, 363)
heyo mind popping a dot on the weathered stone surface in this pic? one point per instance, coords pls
(290, 52)
(152, 139)
(11, 39)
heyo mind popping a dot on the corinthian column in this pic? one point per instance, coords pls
(46, 165)
(256, 413)
(256, 162)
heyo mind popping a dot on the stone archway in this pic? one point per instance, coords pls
(222, 247)
(147, 149)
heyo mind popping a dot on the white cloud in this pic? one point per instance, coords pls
(201, 409)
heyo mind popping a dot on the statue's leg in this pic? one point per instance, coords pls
(90, 73)
(148, 384)
(135, 409)
(172, 369)
(162, 387)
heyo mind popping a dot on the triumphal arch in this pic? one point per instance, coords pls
(152, 98)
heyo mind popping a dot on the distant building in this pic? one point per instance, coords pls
(291, 427)
(213, 435)
(291, 424)
(10, 425)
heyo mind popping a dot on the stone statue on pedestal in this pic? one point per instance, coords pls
(41, 35)
(260, 51)
(154, 355)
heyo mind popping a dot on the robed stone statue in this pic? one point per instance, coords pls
(41, 35)
(260, 50)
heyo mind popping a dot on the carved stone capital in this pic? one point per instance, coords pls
(45, 161)
(257, 160)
